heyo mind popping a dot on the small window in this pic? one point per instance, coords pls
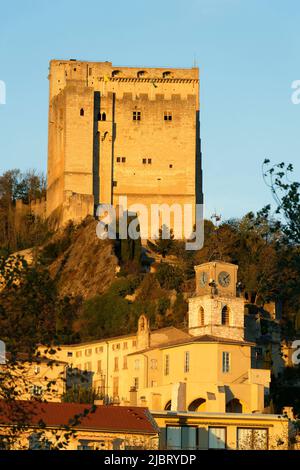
(103, 117)
(134, 343)
(153, 364)
(118, 159)
(136, 383)
(116, 364)
(141, 73)
(88, 352)
(114, 184)
(225, 362)
(90, 71)
(167, 74)
(170, 166)
(123, 159)
(149, 161)
(78, 353)
(125, 345)
(167, 365)
(115, 73)
(186, 361)
(99, 367)
(136, 115)
(144, 161)
(82, 112)
(167, 116)
(125, 362)
(70, 354)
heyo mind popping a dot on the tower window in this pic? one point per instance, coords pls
(101, 117)
(144, 161)
(136, 115)
(225, 315)
(82, 112)
(123, 159)
(167, 116)
(118, 159)
(115, 184)
(170, 166)
(149, 161)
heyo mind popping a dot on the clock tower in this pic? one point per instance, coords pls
(216, 309)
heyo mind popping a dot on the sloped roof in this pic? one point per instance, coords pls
(99, 418)
(195, 339)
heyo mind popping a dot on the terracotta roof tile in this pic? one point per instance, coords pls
(104, 418)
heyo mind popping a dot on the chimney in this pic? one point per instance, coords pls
(133, 396)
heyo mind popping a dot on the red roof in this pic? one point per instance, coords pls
(104, 417)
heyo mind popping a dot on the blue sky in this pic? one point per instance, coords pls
(247, 52)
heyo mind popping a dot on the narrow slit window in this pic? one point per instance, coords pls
(82, 112)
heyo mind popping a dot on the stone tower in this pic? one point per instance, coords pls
(216, 310)
(121, 131)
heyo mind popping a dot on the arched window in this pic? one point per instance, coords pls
(115, 73)
(82, 112)
(99, 117)
(201, 318)
(141, 73)
(168, 405)
(197, 405)
(225, 315)
(103, 117)
(167, 74)
(234, 406)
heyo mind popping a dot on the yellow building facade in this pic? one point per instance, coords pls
(231, 431)
(206, 367)
(121, 131)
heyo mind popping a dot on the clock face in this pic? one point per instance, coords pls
(224, 279)
(203, 278)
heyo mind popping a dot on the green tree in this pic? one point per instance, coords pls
(165, 242)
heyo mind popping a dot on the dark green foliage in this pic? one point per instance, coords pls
(169, 276)
(125, 285)
(286, 194)
(20, 230)
(165, 244)
(81, 394)
(105, 315)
